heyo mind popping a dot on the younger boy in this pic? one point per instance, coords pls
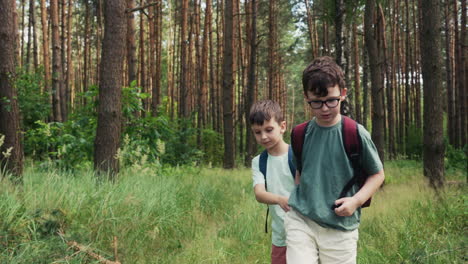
(268, 126)
(317, 231)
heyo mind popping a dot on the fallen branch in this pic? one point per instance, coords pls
(90, 253)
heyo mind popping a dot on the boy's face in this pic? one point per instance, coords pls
(269, 134)
(326, 109)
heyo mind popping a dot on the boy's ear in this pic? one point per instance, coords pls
(283, 126)
(343, 93)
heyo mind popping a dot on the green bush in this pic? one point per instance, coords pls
(33, 103)
(456, 158)
(414, 142)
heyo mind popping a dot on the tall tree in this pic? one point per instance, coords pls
(45, 46)
(371, 29)
(339, 32)
(131, 45)
(357, 76)
(228, 86)
(69, 76)
(57, 73)
(184, 63)
(251, 81)
(9, 112)
(204, 67)
(109, 125)
(449, 60)
(156, 93)
(433, 107)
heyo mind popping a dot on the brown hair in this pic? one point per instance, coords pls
(264, 110)
(322, 73)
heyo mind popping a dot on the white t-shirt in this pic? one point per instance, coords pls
(280, 182)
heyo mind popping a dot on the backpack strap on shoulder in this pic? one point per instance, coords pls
(292, 168)
(263, 164)
(297, 141)
(353, 148)
(263, 169)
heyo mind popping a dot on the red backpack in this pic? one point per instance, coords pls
(353, 147)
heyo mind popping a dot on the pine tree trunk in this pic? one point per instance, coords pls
(45, 46)
(462, 86)
(86, 48)
(109, 125)
(64, 91)
(57, 77)
(357, 76)
(375, 57)
(228, 86)
(70, 84)
(433, 107)
(365, 88)
(34, 33)
(142, 69)
(449, 59)
(9, 111)
(184, 61)
(131, 44)
(339, 34)
(389, 90)
(204, 81)
(408, 110)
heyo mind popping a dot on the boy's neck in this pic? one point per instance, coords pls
(279, 149)
(335, 121)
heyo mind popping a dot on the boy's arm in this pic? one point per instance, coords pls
(265, 197)
(349, 204)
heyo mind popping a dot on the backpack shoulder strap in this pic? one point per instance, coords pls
(292, 168)
(263, 164)
(353, 148)
(263, 169)
(297, 141)
(351, 139)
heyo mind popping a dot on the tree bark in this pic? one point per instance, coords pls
(156, 88)
(69, 77)
(357, 76)
(45, 46)
(449, 60)
(131, 45)
(431, 60)
(251, 83)
(184, 61)
(109, 121)
(204, 66)
(228, 87)
(375, 63)
(57, 76)
(9, 112)
(339, 34)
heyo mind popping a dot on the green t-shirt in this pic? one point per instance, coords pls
(325, 171)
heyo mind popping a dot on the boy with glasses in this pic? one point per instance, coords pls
(315, 231)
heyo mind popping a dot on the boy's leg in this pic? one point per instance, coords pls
(336, 246)
(300, 240)
(278, 255)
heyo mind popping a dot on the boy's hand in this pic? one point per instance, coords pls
(346, 206)
(283, 203)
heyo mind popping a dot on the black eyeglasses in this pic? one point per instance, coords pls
(317, 104)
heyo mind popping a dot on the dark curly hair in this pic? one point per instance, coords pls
(322, 73)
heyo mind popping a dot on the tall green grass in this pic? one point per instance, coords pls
(192, 215)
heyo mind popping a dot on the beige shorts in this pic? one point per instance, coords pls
(311, 243)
